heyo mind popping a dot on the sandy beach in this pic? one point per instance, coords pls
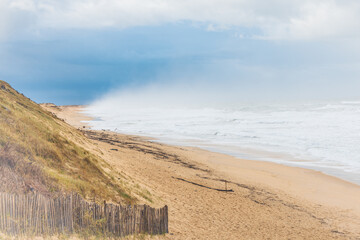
(267, 201)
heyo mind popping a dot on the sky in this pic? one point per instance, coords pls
(79, 51)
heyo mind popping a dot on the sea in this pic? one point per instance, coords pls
(321, 136)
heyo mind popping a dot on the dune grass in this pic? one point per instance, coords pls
(39, 152)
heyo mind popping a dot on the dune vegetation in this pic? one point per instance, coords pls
(40, 152)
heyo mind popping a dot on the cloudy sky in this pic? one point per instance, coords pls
(73, 52)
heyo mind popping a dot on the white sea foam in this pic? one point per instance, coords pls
(320, 136)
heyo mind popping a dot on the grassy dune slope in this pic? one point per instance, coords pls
(39, 152)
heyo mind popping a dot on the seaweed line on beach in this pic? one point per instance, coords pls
(141, 147)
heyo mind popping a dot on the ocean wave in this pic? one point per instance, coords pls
(327, 134)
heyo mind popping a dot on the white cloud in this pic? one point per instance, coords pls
(323, 19)
(276, 19)
(16, 16)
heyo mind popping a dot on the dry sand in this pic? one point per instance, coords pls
(269, 201)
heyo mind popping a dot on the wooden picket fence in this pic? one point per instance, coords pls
(36, 214)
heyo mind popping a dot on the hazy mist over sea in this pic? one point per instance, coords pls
(316, 133)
